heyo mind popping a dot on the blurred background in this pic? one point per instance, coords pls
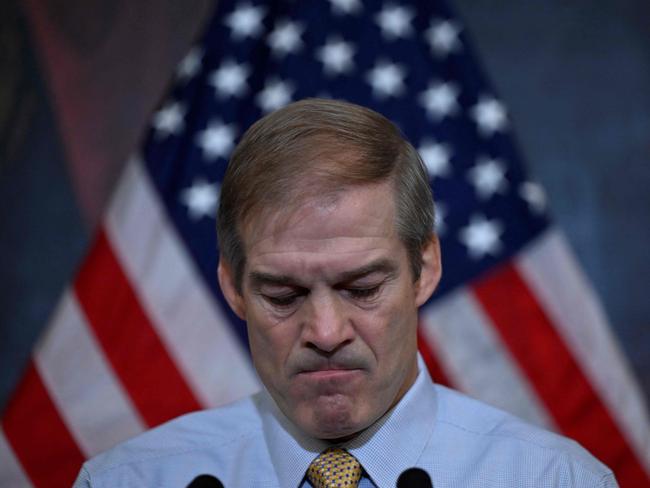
(78, 79)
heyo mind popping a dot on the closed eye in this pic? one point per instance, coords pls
(282, 300)
(285, 298)
(364, 293)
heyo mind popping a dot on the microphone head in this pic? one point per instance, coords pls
(414, 478)
(205, 481)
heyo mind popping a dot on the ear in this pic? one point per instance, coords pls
(430, 272)
(229, 290)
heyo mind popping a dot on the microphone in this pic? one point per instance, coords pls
(205, 481)
(414, 478)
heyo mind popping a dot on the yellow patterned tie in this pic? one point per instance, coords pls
(334, 468)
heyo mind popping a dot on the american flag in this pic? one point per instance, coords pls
(143, 333)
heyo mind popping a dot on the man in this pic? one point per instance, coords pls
(327, 251)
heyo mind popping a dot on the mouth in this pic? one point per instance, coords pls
(330, 373)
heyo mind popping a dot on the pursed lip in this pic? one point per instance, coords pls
(329, 372)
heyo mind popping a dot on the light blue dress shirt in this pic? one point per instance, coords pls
(460, 442)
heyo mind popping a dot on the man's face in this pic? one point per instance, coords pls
(331, 308)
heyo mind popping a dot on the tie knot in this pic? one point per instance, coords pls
(334, 468)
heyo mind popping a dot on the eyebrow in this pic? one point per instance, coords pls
(384, 266)
(258, 278)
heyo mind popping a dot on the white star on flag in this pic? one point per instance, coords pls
(395, 22)
(488, 177)
(443, 37)
(246, 21)
(217, 140)
(276, 94)
(336, 56)
(343, 7)
(190, 64)
(534, 195)
(490, 116)
(440, 225)
(201, 199)
(230, 79)
(169, 119)
(440, 100)
(481, 237)
(285, 38)
(386, 79)
(436, 158)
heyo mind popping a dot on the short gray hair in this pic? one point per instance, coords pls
(318, 146)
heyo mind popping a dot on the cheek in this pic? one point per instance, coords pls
(270, 341)
(392, 338)
(386, 330)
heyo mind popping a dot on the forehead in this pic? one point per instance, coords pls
(322, 233)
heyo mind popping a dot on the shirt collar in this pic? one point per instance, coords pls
(392, 444)
(291, 451)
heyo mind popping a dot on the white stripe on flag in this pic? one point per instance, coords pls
(189, 321)
(476, 360)
(82, 384)
(551, 272)
(11, 472)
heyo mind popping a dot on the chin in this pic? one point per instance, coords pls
(335, 421)
(334, 433)
(338, 438)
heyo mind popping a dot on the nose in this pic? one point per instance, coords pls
(326, 326)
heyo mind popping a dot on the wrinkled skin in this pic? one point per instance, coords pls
(331, 307)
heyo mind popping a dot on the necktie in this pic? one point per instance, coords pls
(334, 468)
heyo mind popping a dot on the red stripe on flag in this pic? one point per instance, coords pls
(554, 372)
(38, 435)
(132, 346)
(433, 365)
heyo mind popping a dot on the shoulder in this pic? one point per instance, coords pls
(495, 441)
(206, 438)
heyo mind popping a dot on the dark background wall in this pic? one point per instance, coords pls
(78, 78)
